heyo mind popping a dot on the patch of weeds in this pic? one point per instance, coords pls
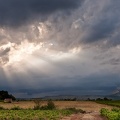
(50, 105)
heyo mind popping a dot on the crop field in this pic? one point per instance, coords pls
(33, 114)
(113, 114)
(84, 105)
(65, 110)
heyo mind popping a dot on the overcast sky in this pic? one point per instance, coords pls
(59, 47)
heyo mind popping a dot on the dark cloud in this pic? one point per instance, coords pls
(70, 57)
(90, 85)
(15, 12)
(100, 31)
(101, 23)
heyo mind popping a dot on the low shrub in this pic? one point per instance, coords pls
(37, 104)
(50, 105)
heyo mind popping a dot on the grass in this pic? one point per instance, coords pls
(34, 114)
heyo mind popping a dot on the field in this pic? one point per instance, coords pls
(84, 105)
(112, 103)
(33, 114)
(92, 111)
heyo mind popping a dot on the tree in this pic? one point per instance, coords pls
(4, 95)
(105, 98)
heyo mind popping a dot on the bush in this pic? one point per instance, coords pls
(37, 104)
(50, 105)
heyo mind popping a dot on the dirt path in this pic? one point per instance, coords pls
(87, 116)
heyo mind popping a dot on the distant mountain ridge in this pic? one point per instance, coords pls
(74, 97)
(81, 97)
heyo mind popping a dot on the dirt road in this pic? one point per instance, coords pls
(87, 116)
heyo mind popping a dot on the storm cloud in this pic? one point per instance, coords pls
(56, 46)
(17, 12)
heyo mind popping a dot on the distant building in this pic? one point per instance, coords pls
(8, 100)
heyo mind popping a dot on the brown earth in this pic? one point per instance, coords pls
(84, 105)
(86, 116)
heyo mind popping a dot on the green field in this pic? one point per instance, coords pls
(112, 103)
(33, 114)
(113, 114)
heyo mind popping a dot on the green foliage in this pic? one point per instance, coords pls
(42, 113)
(113, 114)
(116, 109)
(76, 110)
(33, 114)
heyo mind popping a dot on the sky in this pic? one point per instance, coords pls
(59, 47)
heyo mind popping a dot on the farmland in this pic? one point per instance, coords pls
(84, 105)
(63, 108)
(33, 114)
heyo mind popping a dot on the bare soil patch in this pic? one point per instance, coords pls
(87, 116)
